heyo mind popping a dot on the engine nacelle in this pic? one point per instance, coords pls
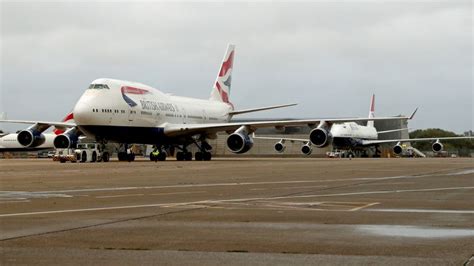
(437, 146)
(280, 146)
(320, 137)
(398, 149)
(67, 140)
(31, 138)
(307, 149)
(240, 141)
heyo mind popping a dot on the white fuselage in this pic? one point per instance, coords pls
(350, 135)
(353, 130)
(133, 110)
(10, 142)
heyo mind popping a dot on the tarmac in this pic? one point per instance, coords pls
(238, 211)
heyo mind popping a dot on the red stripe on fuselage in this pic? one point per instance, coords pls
(133, 90)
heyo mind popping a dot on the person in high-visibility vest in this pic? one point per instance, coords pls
(155, 154)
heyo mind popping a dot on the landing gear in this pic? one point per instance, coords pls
(203, 156)
(158, 154)
(184, 156)
(126, 154)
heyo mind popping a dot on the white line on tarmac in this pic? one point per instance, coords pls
(365, 206)
(231, 200)
(422, 211)
(177, 193)
(14, 201)
(223, 184)
(119, 196)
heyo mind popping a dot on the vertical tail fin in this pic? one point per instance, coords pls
(221, 90)
(68, 118)
(371, 111)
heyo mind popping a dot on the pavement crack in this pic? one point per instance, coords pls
(100, 224)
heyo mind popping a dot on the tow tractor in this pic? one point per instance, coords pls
(85, 152)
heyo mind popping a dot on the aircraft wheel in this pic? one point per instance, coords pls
(84, 157)
(207, 156)
(162, 156)
(198, 156)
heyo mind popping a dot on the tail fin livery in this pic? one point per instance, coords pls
(221, 90)
(68, 118)
(371, 111)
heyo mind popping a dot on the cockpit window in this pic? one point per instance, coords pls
(99, 86)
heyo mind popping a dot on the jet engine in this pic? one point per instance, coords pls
(320, 137)
(31, 137)
(67, 140)
(437, 146)
(307, 149)
(398, 149)
(240, 141)
(280, 146)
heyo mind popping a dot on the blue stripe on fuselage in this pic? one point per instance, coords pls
(346, 143)
(125, 134)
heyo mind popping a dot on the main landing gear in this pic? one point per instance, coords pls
(202, 155)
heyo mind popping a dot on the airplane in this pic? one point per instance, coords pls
(352, 137)
(134, 113)
(10, 142)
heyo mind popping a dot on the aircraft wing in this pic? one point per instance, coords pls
(46, 124)
(174, 130)
(282, 138)
(373, 142)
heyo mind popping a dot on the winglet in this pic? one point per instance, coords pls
(413, 114)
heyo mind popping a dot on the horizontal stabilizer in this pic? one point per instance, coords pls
(392, 130)
(244, 111)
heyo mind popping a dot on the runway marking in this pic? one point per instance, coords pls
(273, 188)
(119, 196)
(81, 210)
(422, 211)
(178, 204)
(177, 193)
(247, 183)
(365, 206)
(14, 201)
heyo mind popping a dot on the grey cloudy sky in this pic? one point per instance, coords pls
(329, 57)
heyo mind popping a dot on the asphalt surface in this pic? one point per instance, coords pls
(254, 211)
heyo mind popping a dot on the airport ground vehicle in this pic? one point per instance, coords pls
(85, 152)
(65, 155)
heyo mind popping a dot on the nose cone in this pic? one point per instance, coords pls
(83, 112)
